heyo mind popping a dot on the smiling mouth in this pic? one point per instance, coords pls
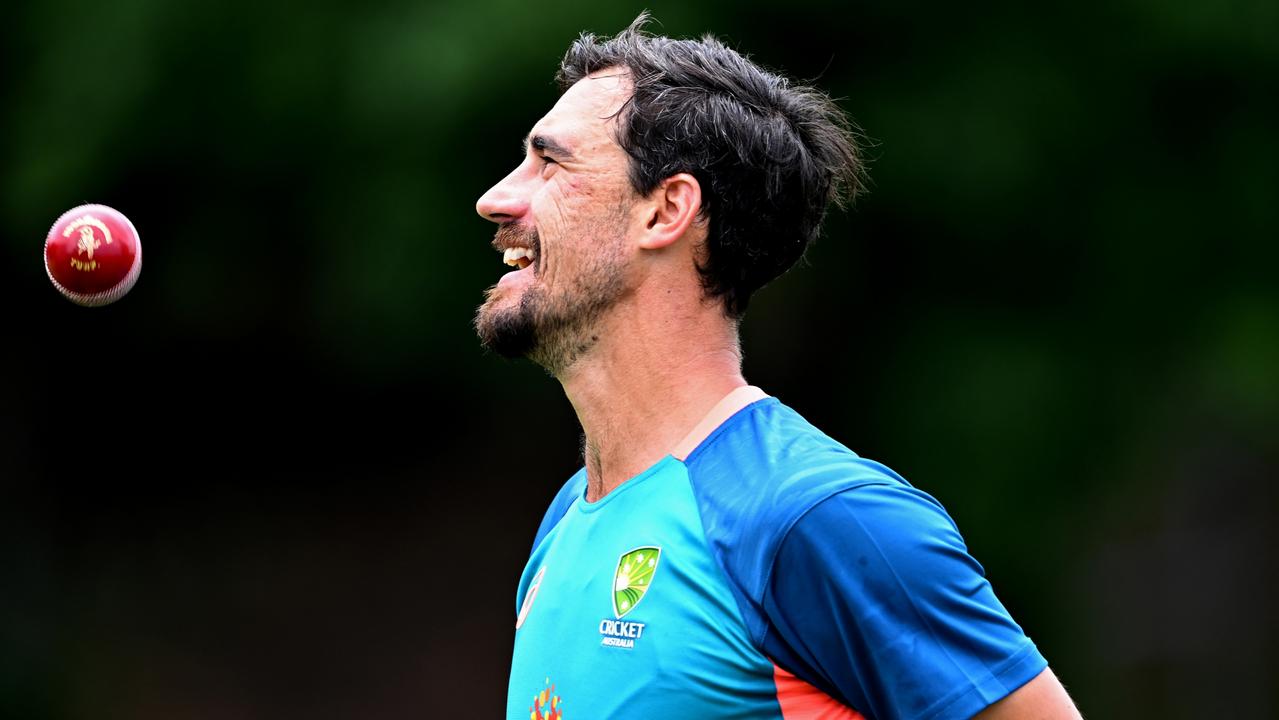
(520, 247)
(520, 257)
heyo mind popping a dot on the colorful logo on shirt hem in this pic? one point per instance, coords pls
(546, 704)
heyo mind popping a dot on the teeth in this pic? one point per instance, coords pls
(512, 256)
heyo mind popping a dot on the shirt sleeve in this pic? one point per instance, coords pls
(874, 599)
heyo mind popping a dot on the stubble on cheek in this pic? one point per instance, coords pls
(554, 222)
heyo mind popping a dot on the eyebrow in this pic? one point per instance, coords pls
(544, 144)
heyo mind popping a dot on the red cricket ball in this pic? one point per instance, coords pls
(93, 255)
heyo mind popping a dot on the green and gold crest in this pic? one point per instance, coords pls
(631, 580)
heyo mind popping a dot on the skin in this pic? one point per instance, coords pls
(643, 355)
(1043, 698)
(651, 365)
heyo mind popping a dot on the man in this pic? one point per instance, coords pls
(717, 556)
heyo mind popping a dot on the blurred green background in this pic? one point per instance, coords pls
(280, 478)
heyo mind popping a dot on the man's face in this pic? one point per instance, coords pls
(563, 213)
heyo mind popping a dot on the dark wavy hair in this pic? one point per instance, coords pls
(771, 156)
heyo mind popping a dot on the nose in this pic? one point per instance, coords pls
(505, 201)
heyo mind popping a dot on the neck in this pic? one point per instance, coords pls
(647, 384)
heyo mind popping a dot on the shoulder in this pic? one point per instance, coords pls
(768, 463)
(849, 577)
(564, 499)
(758, 475)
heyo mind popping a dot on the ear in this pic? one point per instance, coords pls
(670, 210)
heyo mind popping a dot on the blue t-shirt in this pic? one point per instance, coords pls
(771, 574)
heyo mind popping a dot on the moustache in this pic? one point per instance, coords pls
(512, 235)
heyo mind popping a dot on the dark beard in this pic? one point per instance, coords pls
(510, 333)
(552, 331)
(552, 339)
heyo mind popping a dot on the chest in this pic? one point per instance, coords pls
(625, 613)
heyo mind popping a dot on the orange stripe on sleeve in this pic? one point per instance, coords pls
(801, 701)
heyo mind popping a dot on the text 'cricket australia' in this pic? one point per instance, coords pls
(617, 633)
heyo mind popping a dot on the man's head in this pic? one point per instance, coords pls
(566, 208)
(745, 163)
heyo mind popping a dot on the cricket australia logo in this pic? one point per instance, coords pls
(631, 579)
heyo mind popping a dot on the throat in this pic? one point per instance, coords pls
(595, 488)
(607, 471)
